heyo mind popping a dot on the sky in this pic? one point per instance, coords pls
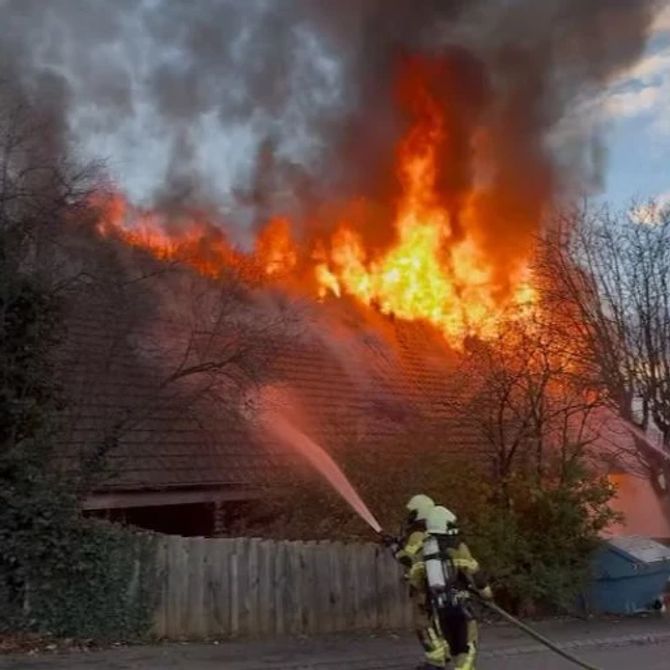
(638, 124)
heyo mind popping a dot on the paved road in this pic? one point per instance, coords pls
(608, 644)
(651, 657)
(644, 657)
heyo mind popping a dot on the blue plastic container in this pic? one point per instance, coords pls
(629, 576)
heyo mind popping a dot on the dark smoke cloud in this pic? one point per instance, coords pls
(308, 84)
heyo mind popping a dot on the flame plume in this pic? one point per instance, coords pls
(436, 269)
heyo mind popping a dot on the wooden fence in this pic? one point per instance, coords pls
(251, 587)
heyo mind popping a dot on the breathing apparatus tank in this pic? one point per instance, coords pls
(440, 571)
(436, 576)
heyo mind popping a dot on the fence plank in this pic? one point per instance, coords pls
(409, 609)
(394, 581)
(210, 588)
(185, 599)
(338, 592)
(266, 602)
(383, 596)
(224, 596)
(246, 627)
(354, 603)
(178, 587)
(160, 616)
(316, 599)
(307, 584)
(355, 599)
(324, 588)
(197, 572)
(169, 603)
(280, 584)
(298, 578)
(211, 599)
(252, 599)
(388, 589)
(371, 595)
(403, 600)
(318, 605)
(237, 574)
(395, 594)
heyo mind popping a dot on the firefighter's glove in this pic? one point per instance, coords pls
(486, 593)
(388, 540)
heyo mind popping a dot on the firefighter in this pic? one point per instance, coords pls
(451, 573)
(408, 552)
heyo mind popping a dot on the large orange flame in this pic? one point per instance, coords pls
(430, 272)
(195, 241)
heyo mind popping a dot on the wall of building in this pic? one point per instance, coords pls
(643, 511)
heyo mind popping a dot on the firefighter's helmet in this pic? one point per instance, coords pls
(440, 521)
(419, 506)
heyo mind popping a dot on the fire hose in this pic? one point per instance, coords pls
(534, 634)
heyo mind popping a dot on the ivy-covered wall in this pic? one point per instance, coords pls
(95, 580)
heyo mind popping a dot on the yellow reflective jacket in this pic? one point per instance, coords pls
(468, 566)
(410, 556)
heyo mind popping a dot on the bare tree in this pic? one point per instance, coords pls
(535, 413)
(608, 275)
(39, 185)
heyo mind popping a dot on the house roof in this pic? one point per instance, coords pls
(352, 385)
(165, 438)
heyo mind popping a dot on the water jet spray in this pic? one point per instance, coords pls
(270, 417)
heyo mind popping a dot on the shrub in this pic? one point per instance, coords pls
(59, 573)
(538, 549)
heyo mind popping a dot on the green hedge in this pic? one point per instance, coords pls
(91, 580)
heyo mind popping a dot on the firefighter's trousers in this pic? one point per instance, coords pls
(460, 631)
(436, 650)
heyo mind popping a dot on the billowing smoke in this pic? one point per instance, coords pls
(260, 105)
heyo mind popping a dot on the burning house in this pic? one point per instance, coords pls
(180, 457)
(402, 161)
(157, 391)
